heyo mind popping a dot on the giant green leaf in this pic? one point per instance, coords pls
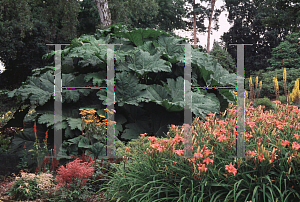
(97, 77)
(39, 89)
(142, 62)
(127, 90)
(171, 50)
(137, 36)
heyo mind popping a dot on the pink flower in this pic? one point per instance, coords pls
(143, 135)
(153, 139)
(202, 167)
(295, 145)
(198, 155)
(296, 136)
(179, 152)
(221, 138)
(285, 142)
(261, 157)
(231, 169)
(207, 161)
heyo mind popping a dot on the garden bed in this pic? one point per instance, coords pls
(7, 198)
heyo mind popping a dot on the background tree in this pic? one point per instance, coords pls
(159, 14)
(69, 20)
(281, 14)
(209, 24)
(223, 58)
(25, 27)
(21, 36)
(248, 29)
(104, 13)
(286, 54)
(88, 18)
(194, 28)
(201, 13)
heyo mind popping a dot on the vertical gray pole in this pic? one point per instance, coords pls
(58, 98)
(188, 143)
(110, 96)
(240, 141)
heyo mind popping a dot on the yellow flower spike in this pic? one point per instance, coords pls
(256, 82)
(260, 84)
(250, 82)
(284, 74)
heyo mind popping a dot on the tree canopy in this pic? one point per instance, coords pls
(248, 28)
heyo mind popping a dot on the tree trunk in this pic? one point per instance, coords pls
(209, 24)
(104, 13)
(194, 26)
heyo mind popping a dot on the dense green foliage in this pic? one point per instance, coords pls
(248, 28)
(286, 54)
(223, 58)
(202, 13)
(264, 102)
(281, 14)
(25, 27)
(149, 88)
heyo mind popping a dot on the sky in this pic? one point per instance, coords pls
(223, 27)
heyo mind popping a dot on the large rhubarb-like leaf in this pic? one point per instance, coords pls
(39, 89)
(137, 36)
(127, 90)
(170, 49)
(142, 62)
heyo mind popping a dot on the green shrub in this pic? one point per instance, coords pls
(269, 105)
(282, 99)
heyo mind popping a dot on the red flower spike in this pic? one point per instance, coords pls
(34, 127)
